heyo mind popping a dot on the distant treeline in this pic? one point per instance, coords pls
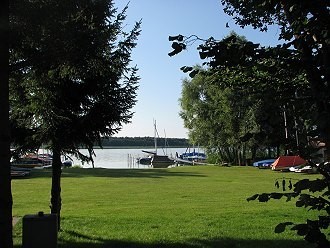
(144, 142)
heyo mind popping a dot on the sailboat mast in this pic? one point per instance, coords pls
(165, 145)
(155, 136)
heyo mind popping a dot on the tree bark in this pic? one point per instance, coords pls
(239, 156)
(56, 201)
(6, 200)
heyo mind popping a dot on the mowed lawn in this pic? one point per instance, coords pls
(190, 206)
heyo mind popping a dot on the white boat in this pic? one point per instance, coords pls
(191, 157)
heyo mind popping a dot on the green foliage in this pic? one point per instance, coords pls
(143, 142)
(317, 198)
(70, 78)
(305, 55)
(71, 82)
(242, 106)
(306, 23)
(304, 27)
(293, 17)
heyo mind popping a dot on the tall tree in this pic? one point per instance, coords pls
(243, 80)
(240, 113)
(305, 25)
(71, 82)
(5, 184)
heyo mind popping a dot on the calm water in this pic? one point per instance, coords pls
(123, 158)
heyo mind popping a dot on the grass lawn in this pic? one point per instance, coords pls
(191, 206)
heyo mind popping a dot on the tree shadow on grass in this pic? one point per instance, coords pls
(115, 173)
(96, 242)
(75, 239)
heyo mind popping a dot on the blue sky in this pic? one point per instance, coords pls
(160, 84)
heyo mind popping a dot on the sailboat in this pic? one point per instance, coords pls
(156, 160)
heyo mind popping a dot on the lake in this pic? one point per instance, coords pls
(116, 158)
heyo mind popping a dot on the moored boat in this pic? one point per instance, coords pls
(262, 164)
(37, 161)
(161, 161)
(31, 161)
(146, 160)
(193, 156)
(154, 159)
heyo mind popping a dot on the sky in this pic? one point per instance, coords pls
(160, 75)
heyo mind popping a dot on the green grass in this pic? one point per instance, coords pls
(200, 206)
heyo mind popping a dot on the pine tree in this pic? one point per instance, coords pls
(71, 81)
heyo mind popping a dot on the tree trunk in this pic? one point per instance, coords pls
(245, 162)
(269, 152)
(239, 156)
(56, 202)
(253, 152)
(6, 200)
(277, 151)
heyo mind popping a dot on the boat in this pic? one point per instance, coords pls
(193, 156)
(31, 160)
(146, 160)
(67, 163)
(156, 160)
(303, 169)
(262, 164)
(153, 158)
(161, 161)
(37, 161)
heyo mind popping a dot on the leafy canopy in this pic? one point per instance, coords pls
(304, 27)
(71, 81)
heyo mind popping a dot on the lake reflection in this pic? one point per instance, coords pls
(123, 158)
